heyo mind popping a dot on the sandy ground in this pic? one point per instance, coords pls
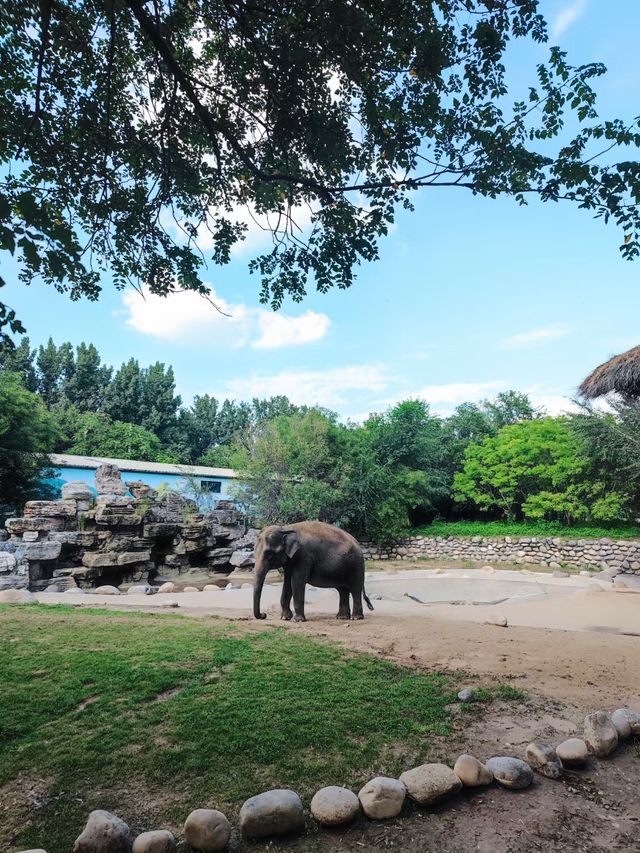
(573, 644)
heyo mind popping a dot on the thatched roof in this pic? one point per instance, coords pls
(620, 374)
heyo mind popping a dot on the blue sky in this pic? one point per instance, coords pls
(470, 297)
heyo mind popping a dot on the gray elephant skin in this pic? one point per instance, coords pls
(310, 552)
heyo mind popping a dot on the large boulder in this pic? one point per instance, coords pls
(38, 523)
(243, 559)
(627, 722)
(42, 552)
(510, 772)
(543, 758)
(104, 833)
(76, 491)
(106, 590)
(17, 596)
(50, 509)
(600, 734)
(333, 805)
(109, 481)
(471, 772)
(382, 797)
(573, 752)
(155, 841)
(207, 830)
(8, 563)
(429, 783)
(277, 812)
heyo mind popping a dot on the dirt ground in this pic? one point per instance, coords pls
(565, 675)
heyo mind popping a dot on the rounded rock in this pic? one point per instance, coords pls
(167, 587)
(106, 590)
(466, 695)
(17, 596)
(429, 783)
(211, 587)
(276, 812)
(382, 797)
(600, 734)
(140, 589)
(191, 589)
(573, 752)
(104, 833)
(334, 805)
(471, 772)
(74, 590)
(543, 758)
(156, 841)
(510, 772)
(207, 830)
(627, 722)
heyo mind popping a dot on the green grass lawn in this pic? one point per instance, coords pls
(542, 529)
(149, 716)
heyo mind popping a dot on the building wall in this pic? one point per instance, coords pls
(173, 481)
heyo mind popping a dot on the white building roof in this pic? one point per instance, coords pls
(66, 460)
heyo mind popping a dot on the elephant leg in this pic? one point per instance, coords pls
(357, 604)
(285, 598)
(344, 611)
(298, 583)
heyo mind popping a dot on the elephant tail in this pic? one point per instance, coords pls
(366, 598)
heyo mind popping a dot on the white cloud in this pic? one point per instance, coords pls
(459, 392)
(185, 315)
(553, 401)
(331, 388)
(279, 330)
(535, 337)
(567, 17)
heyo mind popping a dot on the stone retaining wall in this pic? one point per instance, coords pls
(614, 556)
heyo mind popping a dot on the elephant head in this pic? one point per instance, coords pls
(275, 545)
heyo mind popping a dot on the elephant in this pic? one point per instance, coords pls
(310, 552)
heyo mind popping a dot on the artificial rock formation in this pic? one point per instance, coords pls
(127, 534)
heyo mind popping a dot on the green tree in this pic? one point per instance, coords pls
(27, 434)
(86, 385)
(407, 440)
(159, 402)
(123, 397)
(20, 359)
(290, 472)
(611, 443)
(54, 368)
(509, 407)
(535, 469)
(97, 434)
(121, 118)
(196, 431)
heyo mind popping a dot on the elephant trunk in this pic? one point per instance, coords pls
(261, 571)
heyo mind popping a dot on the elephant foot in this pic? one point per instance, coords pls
(358, 616)
(299, 618)
(286, 616)
(344, 616)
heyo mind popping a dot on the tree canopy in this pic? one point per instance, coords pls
(138, 138)
(27, 434)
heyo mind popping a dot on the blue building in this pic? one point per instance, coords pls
(203, 484)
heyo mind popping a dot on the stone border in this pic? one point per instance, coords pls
(280, 811)
(611, 555)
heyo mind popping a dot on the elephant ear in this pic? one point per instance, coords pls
(291, 542)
